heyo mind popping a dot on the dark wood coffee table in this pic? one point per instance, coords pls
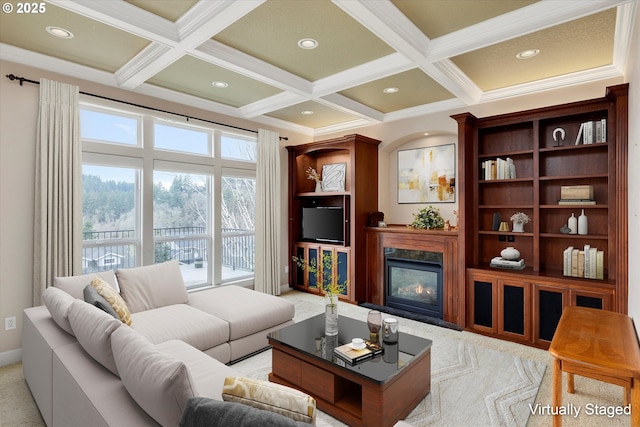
(377, 392)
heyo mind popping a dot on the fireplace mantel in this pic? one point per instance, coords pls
(403, 237)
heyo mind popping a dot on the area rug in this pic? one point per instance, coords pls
(470, 385)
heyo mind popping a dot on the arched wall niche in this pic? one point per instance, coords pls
(402, 213)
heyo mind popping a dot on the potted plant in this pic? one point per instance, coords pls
(428, 218)
(328, 285)
(519, 219)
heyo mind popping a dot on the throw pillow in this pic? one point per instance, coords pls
(152, 286)
(93, 328)
(114, 299)
(202, 411)
(58, 303)
(269, 396)
(92, 297)
(74, 285)
(158, 382)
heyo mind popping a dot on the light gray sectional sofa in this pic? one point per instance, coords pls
(177, 343)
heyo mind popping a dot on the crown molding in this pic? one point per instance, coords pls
(581, 77)
(54, 65)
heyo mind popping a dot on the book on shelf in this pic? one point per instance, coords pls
(576, 202)
(587, 262)
(351, 356)
(499, 262)
(498, 168)
(592, 132)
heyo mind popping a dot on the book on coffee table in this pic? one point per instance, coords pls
(352, 356)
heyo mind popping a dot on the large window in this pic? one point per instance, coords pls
(153, 191)
(110, 211)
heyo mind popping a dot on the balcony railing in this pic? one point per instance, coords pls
(101, 253)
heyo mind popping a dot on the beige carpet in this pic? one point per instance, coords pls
(453, 353)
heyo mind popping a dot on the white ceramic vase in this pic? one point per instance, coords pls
(510, 253)
(583, 224)
(573, 224)
(518, 227)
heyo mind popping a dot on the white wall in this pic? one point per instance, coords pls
(633, 76)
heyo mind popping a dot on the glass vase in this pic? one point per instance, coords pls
(330, 314)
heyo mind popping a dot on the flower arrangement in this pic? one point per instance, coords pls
(313, 174)
(520, 217)
(428, 217)
(327, 285)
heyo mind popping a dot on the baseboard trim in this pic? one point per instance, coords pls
(10, 357)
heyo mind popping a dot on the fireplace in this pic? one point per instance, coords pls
(414, 282)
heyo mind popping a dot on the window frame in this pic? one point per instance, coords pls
(151, 159)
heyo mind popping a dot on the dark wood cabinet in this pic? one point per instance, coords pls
(543, 166)
(358, 201)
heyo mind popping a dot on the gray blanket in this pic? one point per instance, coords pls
(201, 411)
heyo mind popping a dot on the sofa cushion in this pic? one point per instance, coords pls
(92, 297)
(259, 310)
(74, 285)
(272, 397)
(206, 373)
(114, 299)
(158, 382)
(213, 413)
(93, 328)
(58, 303)
(181, 322)
(152, 286)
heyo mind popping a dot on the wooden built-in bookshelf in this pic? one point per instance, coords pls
(525, 305)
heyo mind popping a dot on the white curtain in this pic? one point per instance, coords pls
(58, 208)
(267, 272)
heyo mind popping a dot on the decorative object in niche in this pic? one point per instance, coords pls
(573, 224)
(558, 136)
(519, 219)
(313, 174)
(427, 175)
(510, 253)
(333, 176)
(583, 227)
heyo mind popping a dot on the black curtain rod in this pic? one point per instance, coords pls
(24, 79)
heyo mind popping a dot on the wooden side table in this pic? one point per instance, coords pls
(598, 344)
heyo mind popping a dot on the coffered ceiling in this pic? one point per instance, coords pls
(432, 55)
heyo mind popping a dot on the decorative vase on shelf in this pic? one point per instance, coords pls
(573, 224)
(518, 227)
(330, 314)
(510, 253)
(318, 186)
(583, 227)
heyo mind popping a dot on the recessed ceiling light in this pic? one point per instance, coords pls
(426, 134)
(307, 43)
(390, 90)
(306, 112)
(60, 32)
(220, 85)
(528, 53)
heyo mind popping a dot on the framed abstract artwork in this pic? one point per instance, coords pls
(427, 175)
(334, 176)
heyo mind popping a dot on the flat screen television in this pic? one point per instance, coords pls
(323, 224)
